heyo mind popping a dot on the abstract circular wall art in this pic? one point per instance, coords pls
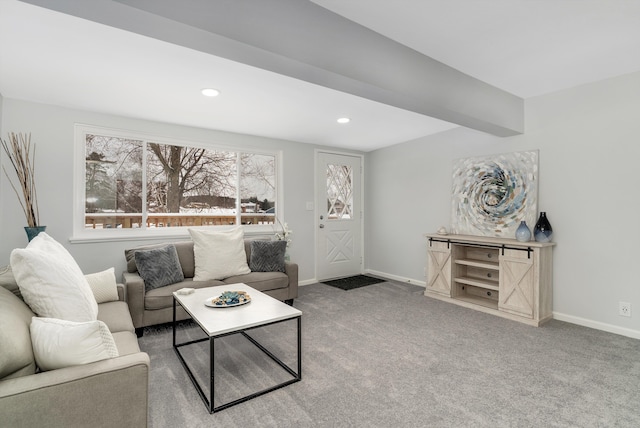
(493, 194)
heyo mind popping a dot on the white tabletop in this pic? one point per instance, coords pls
(262, 309)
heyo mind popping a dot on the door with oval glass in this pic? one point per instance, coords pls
(339, 215)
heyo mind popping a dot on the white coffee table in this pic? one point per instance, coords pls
(219, 322)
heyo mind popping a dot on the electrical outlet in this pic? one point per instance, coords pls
(424, 272)
(625, 309)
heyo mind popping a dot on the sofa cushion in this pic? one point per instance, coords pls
(60, 343)
(159, 267)
(16, 353)
(162, 298)
(103, 285)
(185, 255)
(219, 254)
(116, 316)
(51, 281)
(261, 281)
(267, 256)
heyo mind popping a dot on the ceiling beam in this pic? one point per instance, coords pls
(302, 40)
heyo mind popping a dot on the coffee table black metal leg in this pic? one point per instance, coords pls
(212, 371)
(299, 348)
(173, 326)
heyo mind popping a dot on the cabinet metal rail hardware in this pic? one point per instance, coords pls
(470, 244)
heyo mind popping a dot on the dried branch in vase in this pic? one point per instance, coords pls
(285, 234)
(21, 155)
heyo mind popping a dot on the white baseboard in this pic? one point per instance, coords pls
(396, 277)
(623, 331)
(307, 282)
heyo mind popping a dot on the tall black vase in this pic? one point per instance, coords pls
(542, 232)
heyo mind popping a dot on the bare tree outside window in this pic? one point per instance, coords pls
(182, 185)
(175, 172)
(113, 179)
(257, 184)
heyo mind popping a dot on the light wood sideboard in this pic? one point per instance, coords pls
(504, 277)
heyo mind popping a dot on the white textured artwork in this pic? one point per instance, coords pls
(493, 194)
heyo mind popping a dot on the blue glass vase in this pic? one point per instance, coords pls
(523, 233)
(542, 232)
(32, 232)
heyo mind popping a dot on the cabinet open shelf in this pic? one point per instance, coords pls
(482, 283)
(477, 300)
(482, 265)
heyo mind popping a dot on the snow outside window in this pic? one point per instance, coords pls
(132, 182)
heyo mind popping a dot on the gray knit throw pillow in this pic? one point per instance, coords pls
(267, 256)
(159, 266)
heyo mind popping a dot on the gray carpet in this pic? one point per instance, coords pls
(388, 356)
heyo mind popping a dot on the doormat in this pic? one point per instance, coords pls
(351, 282)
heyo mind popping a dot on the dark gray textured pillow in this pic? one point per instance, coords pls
(267, 256)
(159, 266)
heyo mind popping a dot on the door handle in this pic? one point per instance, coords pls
(322, 226)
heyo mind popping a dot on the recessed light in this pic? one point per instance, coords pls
(210, 92)
(344, 120)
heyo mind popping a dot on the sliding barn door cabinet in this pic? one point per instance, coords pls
(499, 276)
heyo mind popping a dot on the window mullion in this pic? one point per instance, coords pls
(238, 193)
(145, 213)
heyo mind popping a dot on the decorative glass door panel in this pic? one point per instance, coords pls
(339, 191)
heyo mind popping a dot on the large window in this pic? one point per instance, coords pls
(136, 182)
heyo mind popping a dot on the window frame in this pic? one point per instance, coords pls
(82, 234)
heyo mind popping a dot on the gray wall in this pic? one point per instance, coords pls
(588, 142)
(52, 130)
(1, 129)
(2, 156)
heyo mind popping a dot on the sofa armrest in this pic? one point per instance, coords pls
(122, 292)
(134, 286)
(107, 393)
(291, 269)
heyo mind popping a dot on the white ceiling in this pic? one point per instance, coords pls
(526, 47)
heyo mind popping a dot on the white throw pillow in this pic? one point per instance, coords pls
(219, 254)
(51, 281)
(103, 285)
(59, 343)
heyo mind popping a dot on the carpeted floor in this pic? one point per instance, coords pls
(388, 356)
(353, 282)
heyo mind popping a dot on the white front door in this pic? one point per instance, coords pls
(339, 215)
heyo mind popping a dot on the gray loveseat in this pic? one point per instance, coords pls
(107, 393)
(156, 306)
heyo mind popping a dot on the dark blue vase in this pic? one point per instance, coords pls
(542, 232)
(32, 232)
(523, 234)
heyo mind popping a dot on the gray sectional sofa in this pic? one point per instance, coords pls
(107, 393)
(156, 306)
